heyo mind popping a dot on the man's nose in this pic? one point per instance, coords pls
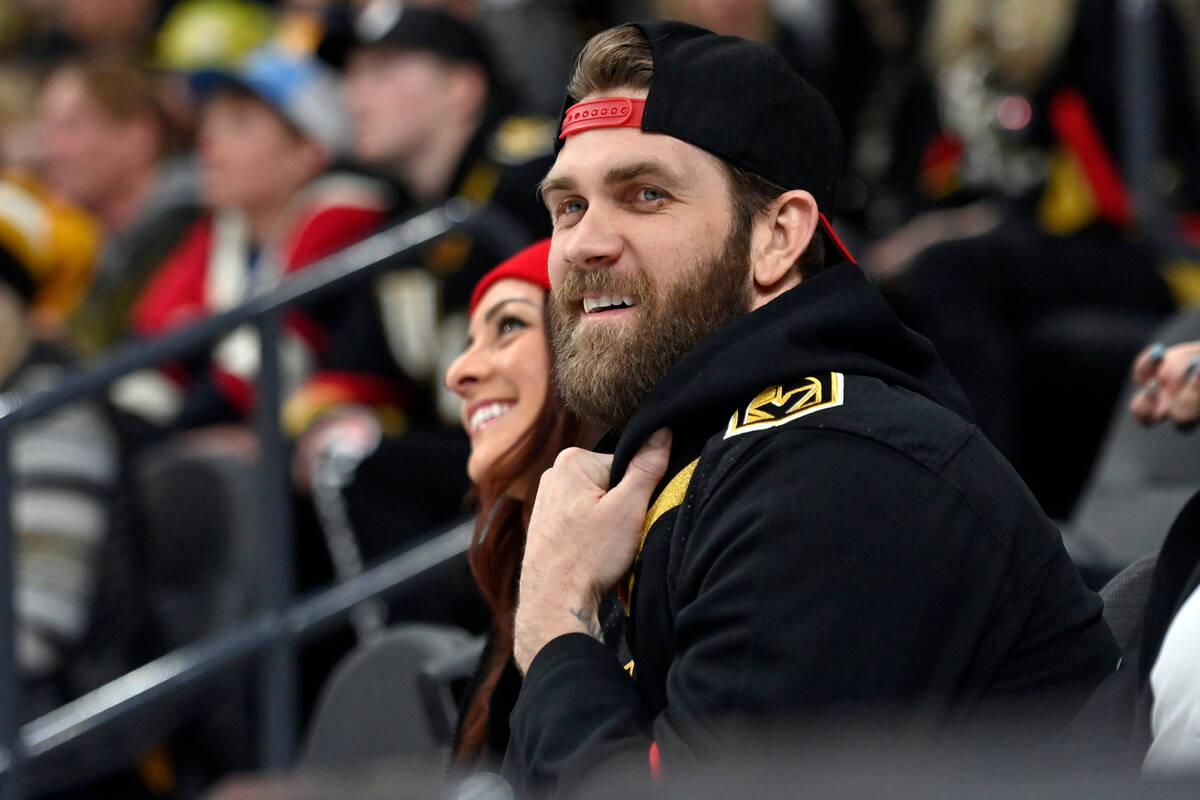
(595, 240)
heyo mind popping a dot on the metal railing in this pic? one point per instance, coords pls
(273, 634)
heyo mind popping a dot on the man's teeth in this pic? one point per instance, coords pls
(605, 302)
(487, 413)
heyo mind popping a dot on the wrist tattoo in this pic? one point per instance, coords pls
(590, 622)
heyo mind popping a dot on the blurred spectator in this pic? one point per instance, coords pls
(429, 109)
(106, 142)
(65, 472)
(74, 234)
(1044, 285)
(268, 136)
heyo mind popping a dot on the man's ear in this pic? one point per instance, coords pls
(781, 235)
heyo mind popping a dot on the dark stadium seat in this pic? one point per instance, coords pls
(1125, 598)
(391, 698)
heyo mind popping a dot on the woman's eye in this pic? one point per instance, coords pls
(509, 324)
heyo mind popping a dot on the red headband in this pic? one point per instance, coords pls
(529, 265)
(607, 112)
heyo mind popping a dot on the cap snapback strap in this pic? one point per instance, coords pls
(606, 112)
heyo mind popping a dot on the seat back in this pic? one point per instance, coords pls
(391, 698)
(1125, 598)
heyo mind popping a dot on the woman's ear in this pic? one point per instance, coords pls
(781, 235)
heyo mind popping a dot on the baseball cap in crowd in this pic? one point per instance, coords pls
(737, 99)
(392, 23)
(529, 265)
(303, 90)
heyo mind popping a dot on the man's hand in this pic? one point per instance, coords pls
(582, 539)
(1169, 378)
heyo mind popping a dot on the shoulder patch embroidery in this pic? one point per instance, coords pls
(778, 405)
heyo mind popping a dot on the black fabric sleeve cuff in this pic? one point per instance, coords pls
(578, 713)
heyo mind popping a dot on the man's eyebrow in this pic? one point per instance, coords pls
(615, 175)
(491, 313)
(640, 169)
(552, 183)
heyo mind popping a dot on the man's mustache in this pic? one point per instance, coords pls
(580, 282)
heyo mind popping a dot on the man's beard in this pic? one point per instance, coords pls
(605, 371)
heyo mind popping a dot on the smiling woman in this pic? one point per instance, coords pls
(517, 425)
(503, 374)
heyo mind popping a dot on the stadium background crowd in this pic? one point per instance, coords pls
(163, 160)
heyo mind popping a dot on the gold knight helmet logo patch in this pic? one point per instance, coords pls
(778, 405)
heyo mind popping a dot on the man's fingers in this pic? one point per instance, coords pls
(645, 470)
(595, 468)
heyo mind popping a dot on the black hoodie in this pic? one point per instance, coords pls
(833, 536)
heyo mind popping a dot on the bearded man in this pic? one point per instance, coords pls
(828, 532)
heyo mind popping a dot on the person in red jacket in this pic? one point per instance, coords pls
(269, 135)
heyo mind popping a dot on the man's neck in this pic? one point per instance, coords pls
(126, 201)
(429, 171)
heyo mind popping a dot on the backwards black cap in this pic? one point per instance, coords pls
(737, 99)
(395, 24)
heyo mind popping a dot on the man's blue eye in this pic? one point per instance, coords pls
(650, 194)
(570, 206)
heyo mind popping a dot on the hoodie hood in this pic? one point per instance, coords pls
(834, 321)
